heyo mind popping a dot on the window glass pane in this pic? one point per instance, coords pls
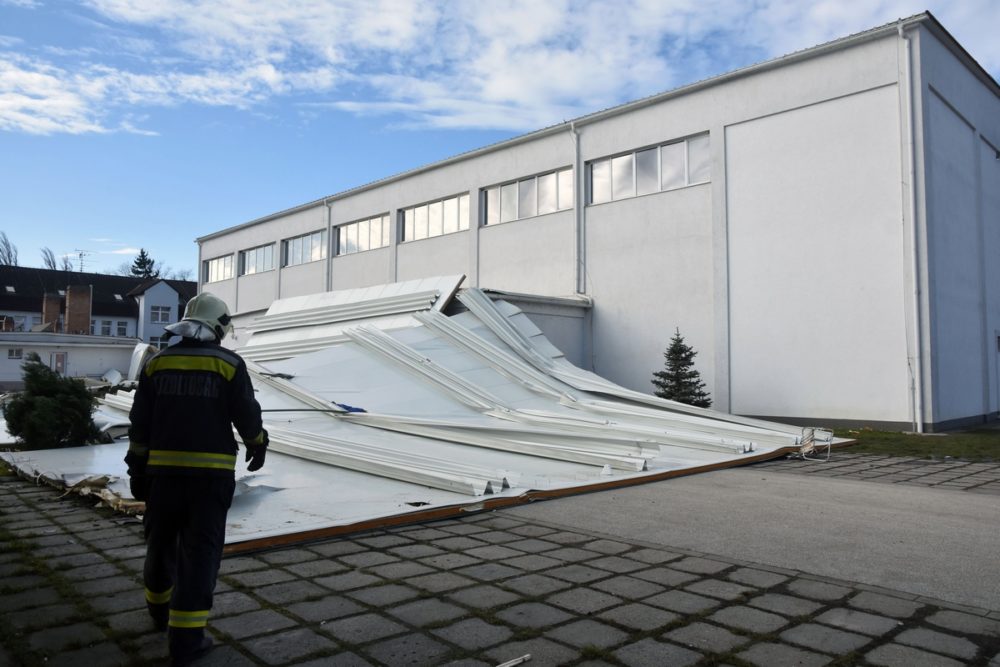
(318, 245)
(408, 222)
(463, 212)
(353, 243)
(385, 230)
(342, 240)
(621, 177)
(546, 194)
(492, 206)
(527, 202)
(565, 189)
(434, 219)
(600, 181)
(646, 177)
(269, 257)
(508, 202)
(699, 160)
(450, 223)
(672, 165)
(364, 235)
(296, 251)
(420, 224)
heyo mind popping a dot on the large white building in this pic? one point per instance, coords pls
(824, 228)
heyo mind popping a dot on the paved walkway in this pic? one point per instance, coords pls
(477, 591)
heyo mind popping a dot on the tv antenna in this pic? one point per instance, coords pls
(81, 254)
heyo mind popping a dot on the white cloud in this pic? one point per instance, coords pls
(121, 251)
(510, 64)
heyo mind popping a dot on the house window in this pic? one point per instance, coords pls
(528, 197)
(159, 314)
(303, 249)
(257, 260)
(159, 341)
(444, 216)
(122, 328)
(219, 268)
(363, 235)
(10, 289)
(36, 320)
(93, 327)
(657, 169)
(19, 322)
(105, 327)
(15, 353)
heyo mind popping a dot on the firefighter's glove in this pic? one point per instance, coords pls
(139, 486)
(257, 451)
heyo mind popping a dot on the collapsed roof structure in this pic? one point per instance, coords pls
(382, 409)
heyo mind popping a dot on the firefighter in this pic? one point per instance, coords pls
(181, 462)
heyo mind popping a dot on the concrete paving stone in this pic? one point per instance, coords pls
(706, 637)
(133, 622)
(639, 616)
(824, 638)
(382, 596)
(21, 583)
(227, 604)
(290, 591)
(112, 603)
(609, 547)
(533, 585)
(895, 655)
(488, 571)
(53, 640)
(252, 624)
(483, 597)
(364, 559)
(425, 612)
(316, 568)
(342, 659)
(288, 556)
(653, 556)
(440, 582)
(458, 543)
(116, 543)
(449, 561)
(578, 574)
(57, 539)
(224, 656)
(347, 581)
(700, 565)
(337, 548)
(542, 652)
(383, 541)
(572, 554)
(587, 632)
(125, 553)
(285, 647)
(497, 537)
(363, 628)
(69, 548)
(467, 529)
(412, 649)
(939, 642)
(757, 578)
(665, 576)
(501, 522)
(474, 634)
(36, 597)
(533, 545)
(107, 586)
(415, 551)
(422, 533)
(467, 662)
(401, 570)
(89, 572)
(628, 587)
(965, 623)
(716, 588)
(784, 604)
(617, 564)
(533, 562)
(885, 605)
(769, 655)
(533, 615)
(749, 619)
(583, 600)
(995, 662)
(566, 537)
(238, 564)
(682, 602)
(104, 654)
(650, 653)
(858, 621)
(42, 617)
(817, 590)
(531, 530)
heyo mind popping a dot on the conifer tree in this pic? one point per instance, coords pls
(52, 411)
(144, 266)
(679, 381)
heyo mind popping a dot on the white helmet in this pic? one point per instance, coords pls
(206, 317)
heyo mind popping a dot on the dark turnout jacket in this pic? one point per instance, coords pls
(189, 398)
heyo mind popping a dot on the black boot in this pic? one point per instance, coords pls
(187, 645)
(159, 613)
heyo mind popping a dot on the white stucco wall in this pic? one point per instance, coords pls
(161, 294)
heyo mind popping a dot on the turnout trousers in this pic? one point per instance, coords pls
(185, 528)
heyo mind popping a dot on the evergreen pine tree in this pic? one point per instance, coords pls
(144, 266)
(52, 411)
(679, 381)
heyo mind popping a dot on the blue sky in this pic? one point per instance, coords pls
(148, 123)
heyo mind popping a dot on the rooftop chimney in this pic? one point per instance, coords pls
(51, 307)
(78, 308)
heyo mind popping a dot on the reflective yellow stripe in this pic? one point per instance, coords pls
(188, 619)
(159, 598)
(140, 448)
(185, 363)
(258, 440)
(164, 457)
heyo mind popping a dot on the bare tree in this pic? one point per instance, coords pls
(183, 274)
(67, 263)
(124, 269)
(8, 251)
(48, 258)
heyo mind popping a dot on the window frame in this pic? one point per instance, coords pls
(419, 216)
(217, 267)
(296, 245)
(261, 262)
(607, 162)
(511, 192)
(121, 328)
(160, 314)
(383, 221)
(15, 353)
